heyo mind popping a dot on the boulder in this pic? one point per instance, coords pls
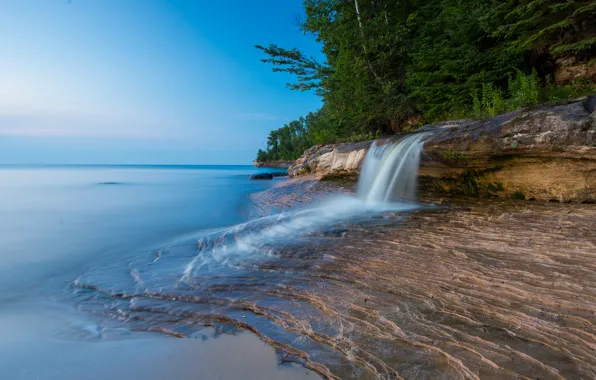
(261, 176)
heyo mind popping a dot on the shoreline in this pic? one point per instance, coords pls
(476, 288)
(134, 354)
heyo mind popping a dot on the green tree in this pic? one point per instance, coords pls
(262, 156)
(391, 64)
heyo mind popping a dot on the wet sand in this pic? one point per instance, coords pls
(73, 352)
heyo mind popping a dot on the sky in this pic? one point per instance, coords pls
(144, 82)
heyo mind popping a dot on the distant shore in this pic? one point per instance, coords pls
(273, 164)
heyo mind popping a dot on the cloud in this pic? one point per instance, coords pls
(258, 116)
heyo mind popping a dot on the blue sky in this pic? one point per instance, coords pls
(144, 82)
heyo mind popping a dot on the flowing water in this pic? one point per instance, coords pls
(153, 251)
(389, 171)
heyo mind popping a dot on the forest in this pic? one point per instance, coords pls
(392, 66)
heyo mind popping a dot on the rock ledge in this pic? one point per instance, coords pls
(545, 152)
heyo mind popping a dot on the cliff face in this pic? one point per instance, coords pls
(545, 152)
(331, 160)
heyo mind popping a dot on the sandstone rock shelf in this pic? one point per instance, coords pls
(478, 289)
(545, 152)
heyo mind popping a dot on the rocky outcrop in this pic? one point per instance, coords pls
(331, 160)
(272, 175)
(261, 176)
(272, 164)
(545, 152)
(571, 69)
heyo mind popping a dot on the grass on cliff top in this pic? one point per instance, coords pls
(522, 90)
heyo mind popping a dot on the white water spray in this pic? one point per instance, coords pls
(389, 172)
(388, 177)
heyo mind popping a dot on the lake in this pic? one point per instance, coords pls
(60, 225)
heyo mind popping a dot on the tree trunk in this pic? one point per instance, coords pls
(370, 66)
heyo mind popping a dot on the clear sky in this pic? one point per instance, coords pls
(144, 82)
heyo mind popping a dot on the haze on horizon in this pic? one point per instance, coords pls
(154, 82)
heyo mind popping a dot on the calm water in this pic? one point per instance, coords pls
(59, 224)
(60, 219)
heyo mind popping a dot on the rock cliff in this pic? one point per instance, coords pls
(545, 152)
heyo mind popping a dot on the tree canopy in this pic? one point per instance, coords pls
(391, 65)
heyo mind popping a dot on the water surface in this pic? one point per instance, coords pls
(58, 223)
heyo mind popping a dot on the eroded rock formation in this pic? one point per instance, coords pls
(545, 152)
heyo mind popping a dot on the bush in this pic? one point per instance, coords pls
(490, 102)
(524, 90)
(577, 88)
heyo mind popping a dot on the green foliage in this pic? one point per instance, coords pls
(391, 65)
(492, 100)
(495, 187)
(288, 142)
(470, 185)
(451, 155)
(262, 156)
(524, 90)
(518, 195)
(557, 26)
(308, 71)
(577, 88)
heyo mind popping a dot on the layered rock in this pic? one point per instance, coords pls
(331, 160)
(481, 289)
(545, 152)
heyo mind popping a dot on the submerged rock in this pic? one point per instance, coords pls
(545, 152)
(268, 175)
(261, 176)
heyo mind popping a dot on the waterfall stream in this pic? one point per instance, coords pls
(389, 171)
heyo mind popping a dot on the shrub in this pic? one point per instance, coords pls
(524, 90)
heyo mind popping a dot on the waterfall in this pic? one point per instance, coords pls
(389, 171)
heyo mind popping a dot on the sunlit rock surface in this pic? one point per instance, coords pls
(331, 160)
